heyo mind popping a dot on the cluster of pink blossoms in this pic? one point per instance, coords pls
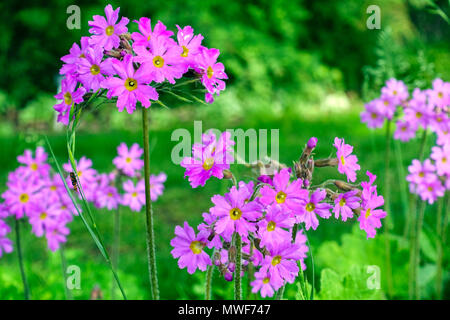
(122, 186)
(267, 213)
(36, 194)
(427, 110)
(126, 65)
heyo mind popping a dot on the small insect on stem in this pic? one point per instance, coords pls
(73, 178)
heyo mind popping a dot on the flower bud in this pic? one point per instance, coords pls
(232, 266)
(228, 276)
(312, 142)
(227, 174)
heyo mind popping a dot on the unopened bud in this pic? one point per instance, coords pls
(228, 276)
(343, 185)
(232, 254)
(312, 142)
(227, 174)
(331, 162)
(232, 266)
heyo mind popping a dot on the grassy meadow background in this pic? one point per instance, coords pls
(303, 67)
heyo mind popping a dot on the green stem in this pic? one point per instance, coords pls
(423, 141)
(26, 287)
(115, 249)
(388, 221)
(280, 293)
(403, 187)
(208, 282)
(62, 254)
(439, 249)
(251, 272)
(151, 255)
(417, 249)
(237, 271)
(412, 251)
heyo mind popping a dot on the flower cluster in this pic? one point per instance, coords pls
(426, 110)
(36, 194)
(270, 215)
(122, 186)
(128, 66)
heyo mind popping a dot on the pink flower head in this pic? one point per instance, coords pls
(44, 216)
(372, 115)
(419, 173)
(21, 195)
(130, 86)
(395, 90)
(347, 162)
(312, 206)
(235, 213)
(162, 61)
(208, 160)
(430, 190)
(6, 245)
(386, 105)
(272, 229)
(56, 235)
(143, 38)
(36, 167)
(129, 160)
(105, 32)
(69, 96)
(134, 196)
(443, 134)
(419, 113)
(345, 203)
(91, 69)
(87, 176)
(281, 262)
(287, 195)
(441, 157)
(440, 94)
(406, 130)
(188, 247)
(264, 283)
(106, 195)
(189, 44)
(157, 185)
(370, 217)
(212, 71)
(72, 60)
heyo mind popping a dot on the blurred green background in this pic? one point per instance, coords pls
(303, 67)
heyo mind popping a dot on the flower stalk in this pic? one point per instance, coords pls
(237, 272)
(151, 254)
(26, 287)
(388, 222)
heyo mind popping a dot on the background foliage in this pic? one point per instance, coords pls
(304, 67)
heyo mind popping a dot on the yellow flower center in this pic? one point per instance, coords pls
(185, 52)
(310, 207)
(394, 92)
(43, 215)
(149, 37)
(134, 194)
(158, 62)
(276, 260)
(444, 160)
(110, 194)
(34, 166)
(209, 162)
(128, 160)
(235, 214)
(53, 188)
(374, 115)
(440, 95)
(68, 98)
(131, 84)
(271, 226)
(418, 115)
(63, 207)
(342, 202)
(109, 30)
(343, 160)
(24, 198)
(367, 213)
(196, 247)
(266, 280)
(82, 56)
(280, 197)
(209, 72)
(403, 128)
(386, 103)
(79, 173)
(421, 174)
(430, 188)
(95, 69)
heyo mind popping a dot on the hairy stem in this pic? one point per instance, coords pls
(388, 221)
(439, 248)
(208, 282)
(280, 293)
(151, 255)
(26, 288)
(115, 249)
(417, 248)
(237, 271)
